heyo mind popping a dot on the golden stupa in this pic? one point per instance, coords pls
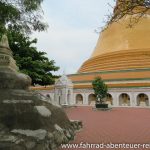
(121, 56)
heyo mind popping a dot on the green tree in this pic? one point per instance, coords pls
(100, 89)
(18, 18)
(21, 15)
(31, 61)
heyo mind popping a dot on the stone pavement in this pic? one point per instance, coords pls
(119, 125)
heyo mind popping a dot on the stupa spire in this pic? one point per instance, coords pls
(4, 46)
(122, 5)
(6, 57)
(4, 42)
(130, 6)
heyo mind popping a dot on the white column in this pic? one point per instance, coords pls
(74, 98)
(148, 94)
(86, 98)
(71, 97)
(66, 96)
(133, 99)
(115, 99)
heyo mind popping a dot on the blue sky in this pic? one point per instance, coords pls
(71, 36)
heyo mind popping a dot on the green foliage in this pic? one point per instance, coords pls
(21, 15)
(18, 18)
(100, 89)
(30, 61)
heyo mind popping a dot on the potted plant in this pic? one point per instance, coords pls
(100, 90)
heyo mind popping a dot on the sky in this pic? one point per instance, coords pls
(71, 37)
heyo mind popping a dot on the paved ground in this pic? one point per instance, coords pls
(120, 125)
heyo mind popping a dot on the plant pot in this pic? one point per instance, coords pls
(101, 105)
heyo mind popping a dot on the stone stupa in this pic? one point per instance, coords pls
(10, 78)
(27, 120)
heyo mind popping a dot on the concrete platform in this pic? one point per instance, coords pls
(120, 125)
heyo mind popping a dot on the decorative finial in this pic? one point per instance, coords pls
(4, 42)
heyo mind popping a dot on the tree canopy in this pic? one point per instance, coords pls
(18, 18)
(100, 89)
(31, 61)
(21, 15)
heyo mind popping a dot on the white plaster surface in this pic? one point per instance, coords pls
(43, 111)
(58, 128)
(39, 134)
(17, 101)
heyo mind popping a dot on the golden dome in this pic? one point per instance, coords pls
(121, 56)
(119, 37)
(121, 47)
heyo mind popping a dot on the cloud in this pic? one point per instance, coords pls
(68, 47)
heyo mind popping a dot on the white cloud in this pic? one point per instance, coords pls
(68, 47)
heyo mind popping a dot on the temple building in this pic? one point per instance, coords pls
(121, 58)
